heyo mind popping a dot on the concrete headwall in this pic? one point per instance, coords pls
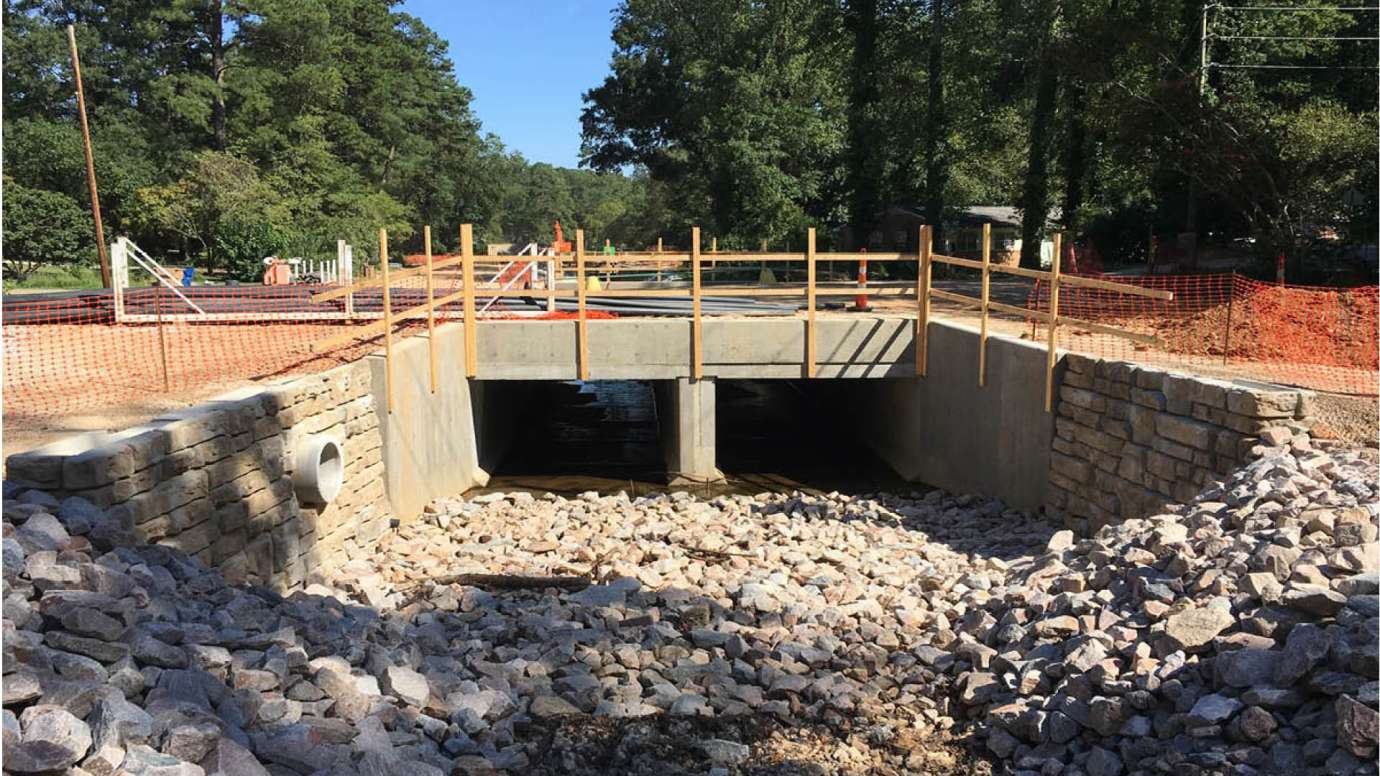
(215, 480)
(944, 430)
(431, 441)
(1130, 438)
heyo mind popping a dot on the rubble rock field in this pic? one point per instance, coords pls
(817, 634)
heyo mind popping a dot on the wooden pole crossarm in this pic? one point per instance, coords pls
(377, 280)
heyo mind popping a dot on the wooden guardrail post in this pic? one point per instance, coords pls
(986, 300)
(810, 353)
(922, 293)
(430, 308)
(387, 322)
(697, 327)
(471, 320)
(581, 325)
(1053, 324)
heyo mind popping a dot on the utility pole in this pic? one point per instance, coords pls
(90, 162)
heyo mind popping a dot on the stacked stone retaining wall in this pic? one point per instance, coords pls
(215, 480)
(1129, 439)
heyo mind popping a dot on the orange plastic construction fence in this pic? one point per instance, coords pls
(64, 353)
(1316, 337)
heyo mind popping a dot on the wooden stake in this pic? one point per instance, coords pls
(658, 264)
(581, 326)
(697, 330)
(90, 161)
(431, 307)
(471, 320)
(922, 294)
(1053, 325)
(162, 341)
(810, 352)
(387, 321)
(986, 300)
(1231, 300)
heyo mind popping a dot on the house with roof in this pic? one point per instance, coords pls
(897, 229)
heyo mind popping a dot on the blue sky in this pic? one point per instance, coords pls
(527, 62)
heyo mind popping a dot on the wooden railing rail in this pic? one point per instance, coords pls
(587, 269)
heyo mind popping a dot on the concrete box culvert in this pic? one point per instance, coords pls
(319, 470)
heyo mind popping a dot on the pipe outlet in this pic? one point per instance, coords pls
(318, 471)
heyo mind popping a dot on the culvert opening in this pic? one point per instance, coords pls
(569, 437)
(610, 435)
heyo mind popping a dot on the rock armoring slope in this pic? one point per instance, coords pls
(1232, 634)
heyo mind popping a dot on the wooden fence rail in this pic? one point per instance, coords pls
(586, 270)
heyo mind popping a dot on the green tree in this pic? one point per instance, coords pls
(43, 227)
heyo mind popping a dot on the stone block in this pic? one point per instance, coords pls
(1070, 467)
(215, 449)
(192, 514)
(227, 545)
(191, 428)
(1082, 398)
(1079, 364)
(1146, 397)
(1186, 431)
(1251, 426)
(1071, 378)
(1159, 464)
(267, 427)
(1149, 379)
(232, 517)
(97, 466)
(138, 482)
(1262, 404)
(194, 539)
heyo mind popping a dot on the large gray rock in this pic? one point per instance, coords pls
(1196, 627)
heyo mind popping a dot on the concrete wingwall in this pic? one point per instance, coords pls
(944, 430)
(442, 443)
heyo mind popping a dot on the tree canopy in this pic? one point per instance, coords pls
(763, 117)
(225, 130)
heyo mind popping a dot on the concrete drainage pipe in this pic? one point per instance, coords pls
(318, 471)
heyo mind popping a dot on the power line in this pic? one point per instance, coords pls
(1221, 66)
(1287, 37)
(1288, 9)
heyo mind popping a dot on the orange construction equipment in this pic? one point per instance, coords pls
(560, 245)
(277, 272)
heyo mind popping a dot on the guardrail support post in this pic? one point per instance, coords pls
(581, 326)
(810, 353)
(430, 307)
(1053, 325)
(697, 328)
(986, 300)
(922, 293)
(471, 320)
(387, 321)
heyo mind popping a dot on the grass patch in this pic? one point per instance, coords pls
(66, 277)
